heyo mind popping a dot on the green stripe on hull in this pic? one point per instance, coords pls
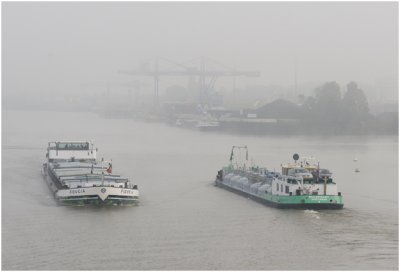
(294, 202)
(306, 201)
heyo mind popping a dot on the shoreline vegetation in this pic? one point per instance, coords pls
(326, 112)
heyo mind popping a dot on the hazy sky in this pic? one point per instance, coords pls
(66, 46)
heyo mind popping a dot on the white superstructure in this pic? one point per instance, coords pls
(66, 151)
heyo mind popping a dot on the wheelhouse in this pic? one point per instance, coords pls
(71, 151)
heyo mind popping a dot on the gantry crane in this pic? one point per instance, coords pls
(201, 70)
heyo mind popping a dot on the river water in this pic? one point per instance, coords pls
(183, 222)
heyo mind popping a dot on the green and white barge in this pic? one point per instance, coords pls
(300, 185)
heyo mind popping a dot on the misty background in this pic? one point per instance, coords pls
(69, 55)
(318, 67)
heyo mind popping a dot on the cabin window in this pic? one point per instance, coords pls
(72, 146)
(287, 189)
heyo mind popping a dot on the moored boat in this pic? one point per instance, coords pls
(208, 125)
(76, 177)
(300, 185)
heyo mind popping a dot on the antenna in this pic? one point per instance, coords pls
(295, 78)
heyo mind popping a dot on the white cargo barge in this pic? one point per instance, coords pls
(76, 177)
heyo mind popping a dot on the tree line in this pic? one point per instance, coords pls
(330, 112)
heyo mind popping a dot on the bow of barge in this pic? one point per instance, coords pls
(76, 178)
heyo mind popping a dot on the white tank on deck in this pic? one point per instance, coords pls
(235, 181)
(254, 187)
(227, 178)
(263, 188)
(243, 181)
(247, 185)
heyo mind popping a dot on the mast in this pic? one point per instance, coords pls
(239, 147)
(102, 172)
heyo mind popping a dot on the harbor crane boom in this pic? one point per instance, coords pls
(182, 69)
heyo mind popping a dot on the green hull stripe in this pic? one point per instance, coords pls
(302, 201)
(305, 199)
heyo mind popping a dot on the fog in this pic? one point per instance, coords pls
(177, 99)
(79, 47)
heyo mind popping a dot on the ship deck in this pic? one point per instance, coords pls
(80, 174)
